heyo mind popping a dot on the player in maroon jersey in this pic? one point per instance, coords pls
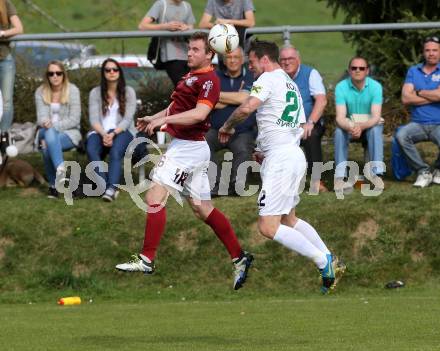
(184, 166)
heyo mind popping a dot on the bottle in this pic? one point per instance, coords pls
(74, 300)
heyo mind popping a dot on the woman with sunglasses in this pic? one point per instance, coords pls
(58, 116)
(111, 112)
(10, 25)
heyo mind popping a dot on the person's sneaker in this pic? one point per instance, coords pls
(52, 193)
(327, 275)
(339, 268)
(138, 263)
(241, 267)
(436, 176)
(342, 186)
(61, 175)
(110, 195)
(423, 180)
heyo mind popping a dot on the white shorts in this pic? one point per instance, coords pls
(281, 173)
(184, 167)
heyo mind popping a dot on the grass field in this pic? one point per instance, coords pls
(394, 320)
(327, 51)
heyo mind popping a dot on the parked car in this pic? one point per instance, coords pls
(33, 56)
(139, 72)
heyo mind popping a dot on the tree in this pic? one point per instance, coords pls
(389, 52)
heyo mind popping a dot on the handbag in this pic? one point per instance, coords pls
(153, 52)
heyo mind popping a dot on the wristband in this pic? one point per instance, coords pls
(310, 122)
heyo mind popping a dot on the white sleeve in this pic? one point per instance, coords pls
(315, 83)
(262, 88)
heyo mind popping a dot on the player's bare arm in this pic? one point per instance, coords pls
(410, 97)
(193, 116)
(241, 113)
(233, 98)
(143, 122)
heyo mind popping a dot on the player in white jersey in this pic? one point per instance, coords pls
(279, 117)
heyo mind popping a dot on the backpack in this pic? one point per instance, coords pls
(399, 164)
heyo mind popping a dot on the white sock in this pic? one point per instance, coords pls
(295, 241)
(311, 235)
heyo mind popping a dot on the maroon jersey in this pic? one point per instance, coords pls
(197, 87)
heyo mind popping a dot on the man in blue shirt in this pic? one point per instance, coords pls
(358, 114)
(421, 91)
(236, 83)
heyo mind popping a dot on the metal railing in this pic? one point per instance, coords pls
(286, 31)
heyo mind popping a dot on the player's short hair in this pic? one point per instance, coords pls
(204, 37)
(265, 48)
(358, 58)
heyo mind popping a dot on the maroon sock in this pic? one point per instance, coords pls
(154, 228)
(222, 228)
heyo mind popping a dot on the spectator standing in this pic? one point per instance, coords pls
(313, 94)
(58, 116)
(172, 15)
(421, 91)
(10, 25)
(358, 115)
(239, 13)
(111, 113)
(235, 84)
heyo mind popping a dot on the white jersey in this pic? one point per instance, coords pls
(282, 112)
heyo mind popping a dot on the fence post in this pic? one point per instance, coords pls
(286, 36)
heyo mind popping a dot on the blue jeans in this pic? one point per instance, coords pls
(413, 133)
(56, 142)
(7, 80)
(374, 137)
(96, 151)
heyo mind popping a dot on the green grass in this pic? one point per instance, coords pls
(327, 51)
(47, 247)
(393, 320)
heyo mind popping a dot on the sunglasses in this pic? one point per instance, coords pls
(358, 68)
(432, 39)
(112, 69)
(55, 73)
(287, 59)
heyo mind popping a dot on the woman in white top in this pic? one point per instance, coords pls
(58, 116)
(111, 112)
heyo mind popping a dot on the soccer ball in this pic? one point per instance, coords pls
(223, 38)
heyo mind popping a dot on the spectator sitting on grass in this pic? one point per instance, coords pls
(111, 111)
(312, 89)
(358, 115)
(235, 84)
(58, 115)
(421, 91)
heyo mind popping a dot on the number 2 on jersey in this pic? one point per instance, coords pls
(292, 106)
